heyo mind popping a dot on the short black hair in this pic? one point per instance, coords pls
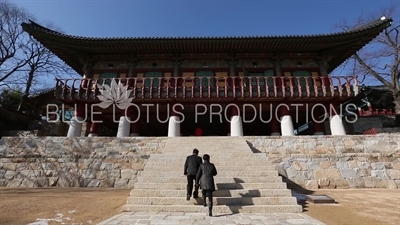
(195, 151)
(206, 157)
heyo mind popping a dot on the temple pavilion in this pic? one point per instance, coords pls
(171, 86)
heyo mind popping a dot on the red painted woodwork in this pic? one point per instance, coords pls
(370, 132)
(135, 127)
(317, 127)
(94, 128)
(184, 88)
(275, 128)
(80, 110)
(198, 132)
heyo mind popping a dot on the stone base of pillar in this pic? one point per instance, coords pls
(92, 135)
(287, 126)
(275, 134)
(75, 127)
(123, 127)
(236, 126)
(174, 127)
(337, 127)
(134, 134)
(318, 133)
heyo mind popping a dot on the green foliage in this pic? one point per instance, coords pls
(10, 99)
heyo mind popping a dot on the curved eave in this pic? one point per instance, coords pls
(344, 44)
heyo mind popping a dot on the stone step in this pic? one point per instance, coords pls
(247, 182)
(222, 162)
(212, 156)
(179, 168)
(202, 138)
(220, 186)
(209, 149)
(212, 160)
(222, 173)
(216, 201)
(216, 209)
(217, 179)
(212, 152)
(206, 146)
(181, 163)
(217, 193)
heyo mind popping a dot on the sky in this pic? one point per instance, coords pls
(186, 18)
(163, 18)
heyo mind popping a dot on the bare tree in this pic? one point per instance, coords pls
(380, 59)
(42, 63)
(23, 60)
(12, 40)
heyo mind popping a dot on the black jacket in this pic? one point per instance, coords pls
(192, 165)
(205, 176)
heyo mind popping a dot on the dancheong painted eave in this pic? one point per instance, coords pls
(340, 45)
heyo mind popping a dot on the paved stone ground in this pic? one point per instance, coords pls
(131, 218)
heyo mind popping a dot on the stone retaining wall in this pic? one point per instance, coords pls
(74, 162)
(365, 161)
(310, 161)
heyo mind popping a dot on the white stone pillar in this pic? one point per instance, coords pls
(236, 126)
(76, 123)
(236, 122)
(124, 127)
(287, 125)
(174, 127)
(75, 127)
(335, 120)
(336, 124)
(287, 128)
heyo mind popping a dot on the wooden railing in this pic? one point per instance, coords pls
(377, 112)
(196, 88)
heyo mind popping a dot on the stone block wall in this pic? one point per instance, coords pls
(310, 161)
(74, 162)
(335, 161)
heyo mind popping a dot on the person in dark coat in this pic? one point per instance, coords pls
(205, 178)
(191, 167)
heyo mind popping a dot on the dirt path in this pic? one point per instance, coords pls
(69, 205)
(21, 206)
(358, 206)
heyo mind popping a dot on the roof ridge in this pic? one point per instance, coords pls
(371, 24)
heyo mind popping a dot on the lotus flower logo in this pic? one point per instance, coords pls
(116, 94)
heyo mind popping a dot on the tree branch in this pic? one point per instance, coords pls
(372, 72)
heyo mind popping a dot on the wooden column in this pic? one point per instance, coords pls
(131, 73)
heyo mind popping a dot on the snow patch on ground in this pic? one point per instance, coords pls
(59, 217)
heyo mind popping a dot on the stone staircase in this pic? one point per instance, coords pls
(246, 182)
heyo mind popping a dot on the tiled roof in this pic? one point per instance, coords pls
(42, 92)
(342, 44)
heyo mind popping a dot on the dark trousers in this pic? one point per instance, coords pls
(209, 194)
(189, 188)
